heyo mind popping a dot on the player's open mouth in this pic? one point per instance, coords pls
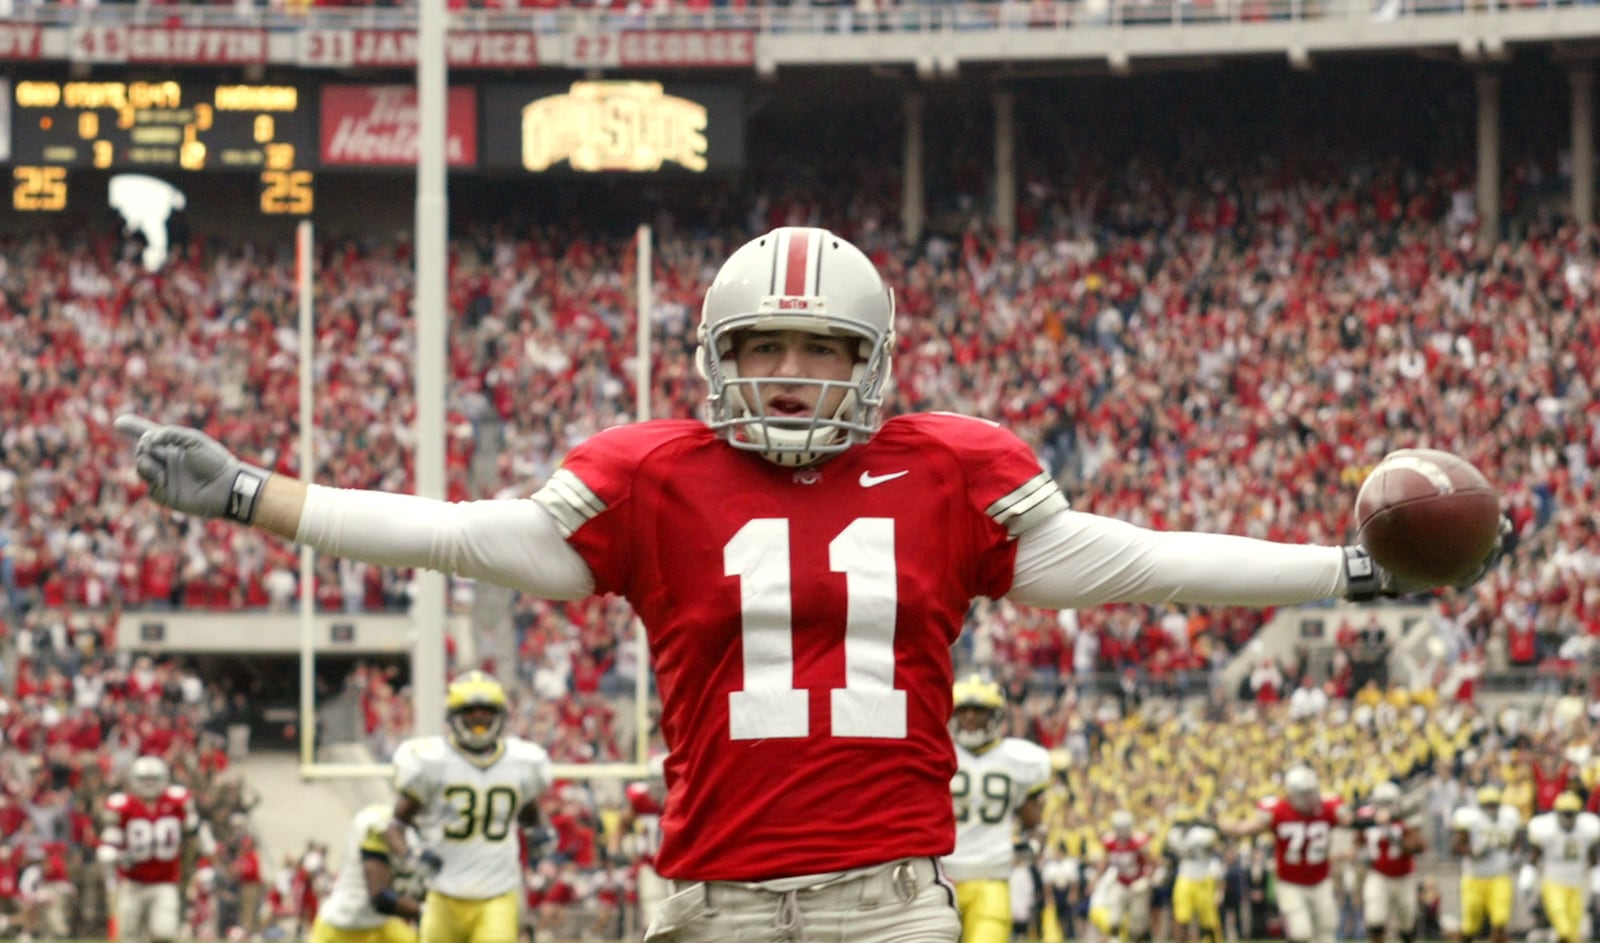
(788, 407)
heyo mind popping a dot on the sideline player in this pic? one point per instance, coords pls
(802, 568)
(1564, 847)
(1389, 845)
(479, 788)
(364, 905)
(1485, 836)
(1301, 822)
(147, 829)
(998, 787)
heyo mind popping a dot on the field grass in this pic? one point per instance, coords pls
(631, 940)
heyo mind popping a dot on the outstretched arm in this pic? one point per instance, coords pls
(1246, 828)
(513, 543)
(1074, 560)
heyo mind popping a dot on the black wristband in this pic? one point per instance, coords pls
(386, 901)
(244, 494)
(1362, 579)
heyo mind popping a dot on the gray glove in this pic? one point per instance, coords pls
(1366, 580)
(191, 472)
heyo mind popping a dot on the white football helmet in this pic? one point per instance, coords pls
(796, 279)
(1301, 786)
(1386, 794)
(1122, 823)
(148, 777)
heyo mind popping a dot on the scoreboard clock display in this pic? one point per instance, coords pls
(160, 126)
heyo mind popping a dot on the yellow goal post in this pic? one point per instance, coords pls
(428, 616)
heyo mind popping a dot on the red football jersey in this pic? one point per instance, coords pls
(800, 623)
(1382, 846)
(148, 833)
(1127, 856)
(1303, 840)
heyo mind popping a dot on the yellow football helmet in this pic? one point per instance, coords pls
(975, 693)
(1489, 795)
(1568, 803)
(475, 692)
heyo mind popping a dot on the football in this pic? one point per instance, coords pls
(1427, 516)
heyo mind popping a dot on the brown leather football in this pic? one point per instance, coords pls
(1427, 516)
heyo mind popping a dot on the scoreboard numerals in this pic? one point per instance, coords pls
(287, 193)
(38, 189)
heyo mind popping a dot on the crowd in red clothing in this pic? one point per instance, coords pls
(1230, 356)
(1176, 375)
(71, 726)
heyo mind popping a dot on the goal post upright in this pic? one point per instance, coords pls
(303, 245)
(644, 284)
(427, 665)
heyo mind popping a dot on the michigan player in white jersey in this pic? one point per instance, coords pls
(1485, 835)
(1564, 845)
(999, 785)
(475, 790)
(364, 906)
(1196, 844)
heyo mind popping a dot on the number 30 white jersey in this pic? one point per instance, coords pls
(988, 788)
(471, 806)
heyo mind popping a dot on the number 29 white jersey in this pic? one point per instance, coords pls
(988, 788)
(470, 809)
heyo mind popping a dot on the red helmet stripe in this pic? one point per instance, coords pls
(794, 278)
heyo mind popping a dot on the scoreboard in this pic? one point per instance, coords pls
(61, 135)
(161, 126)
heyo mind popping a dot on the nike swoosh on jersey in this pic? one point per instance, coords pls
(869, 480)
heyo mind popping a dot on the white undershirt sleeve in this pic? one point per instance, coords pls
(1074, 560)
(509, 542)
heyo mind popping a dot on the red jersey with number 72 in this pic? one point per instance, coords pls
(1303, 839)
(800, 623)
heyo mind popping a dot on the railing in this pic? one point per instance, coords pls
(800, 18)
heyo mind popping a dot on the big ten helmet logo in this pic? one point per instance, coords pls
(599, 126)
(145, 204)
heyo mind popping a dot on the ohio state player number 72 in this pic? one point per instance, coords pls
(769, 705)
(1304, 842)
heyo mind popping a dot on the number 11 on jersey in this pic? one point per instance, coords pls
(768, 705)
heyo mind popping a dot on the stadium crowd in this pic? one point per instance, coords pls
(1229, 356)
(1226, 351)
(71, 726)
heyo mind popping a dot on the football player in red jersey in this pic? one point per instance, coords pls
(145, 831)
(1121, 901)
(1301, 822)
(1389, 845)
(802, 567)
